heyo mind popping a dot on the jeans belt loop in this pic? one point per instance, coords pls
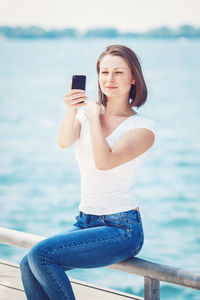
(138, 216)
(88, 219)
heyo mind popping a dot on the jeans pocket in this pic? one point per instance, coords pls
(117, 221)
(126, 220)
(114, 222)
(123, 229)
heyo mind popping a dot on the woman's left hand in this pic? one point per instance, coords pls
(93, 109)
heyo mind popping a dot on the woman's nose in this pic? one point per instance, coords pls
(110, 77)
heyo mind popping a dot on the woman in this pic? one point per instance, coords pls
(112, 142)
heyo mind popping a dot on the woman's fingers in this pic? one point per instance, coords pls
(74, 91)
(75, 97)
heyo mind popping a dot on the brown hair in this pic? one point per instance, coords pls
(138, 92)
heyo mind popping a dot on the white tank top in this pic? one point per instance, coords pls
(108, 191)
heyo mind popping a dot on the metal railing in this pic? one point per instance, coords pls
(152, 272)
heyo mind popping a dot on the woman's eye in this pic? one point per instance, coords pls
(118, 72)
(104, 72)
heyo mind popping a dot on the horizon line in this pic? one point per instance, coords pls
(98, 27)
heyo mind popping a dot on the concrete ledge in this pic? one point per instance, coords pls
(11, 287)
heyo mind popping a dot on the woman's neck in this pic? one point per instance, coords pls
(117, 108)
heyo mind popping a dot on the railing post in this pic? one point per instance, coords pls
(151, 289)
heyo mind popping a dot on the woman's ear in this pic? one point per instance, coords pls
(133, 81)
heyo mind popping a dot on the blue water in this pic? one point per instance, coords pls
(39, 182)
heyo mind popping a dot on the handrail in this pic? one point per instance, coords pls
(151, 271)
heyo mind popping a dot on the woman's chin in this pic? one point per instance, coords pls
(111, 93)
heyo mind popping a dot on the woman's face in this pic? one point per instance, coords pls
(115, 77)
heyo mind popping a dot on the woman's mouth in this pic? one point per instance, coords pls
(111, 87)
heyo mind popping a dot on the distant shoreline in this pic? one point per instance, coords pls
(37, 32)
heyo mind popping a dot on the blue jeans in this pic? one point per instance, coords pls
(93, 241)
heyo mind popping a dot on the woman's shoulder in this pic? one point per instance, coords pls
(141, 120)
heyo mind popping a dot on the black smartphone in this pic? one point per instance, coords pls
(79, 82)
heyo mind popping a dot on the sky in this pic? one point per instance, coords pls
(125, 15)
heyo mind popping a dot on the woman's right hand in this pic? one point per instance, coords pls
(75, 98)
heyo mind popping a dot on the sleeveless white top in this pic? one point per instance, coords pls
(108, 191)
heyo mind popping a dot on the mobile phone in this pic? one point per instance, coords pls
(79, 82)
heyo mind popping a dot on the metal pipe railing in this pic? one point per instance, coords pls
(152, 272)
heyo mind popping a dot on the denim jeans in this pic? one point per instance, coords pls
(93, 241)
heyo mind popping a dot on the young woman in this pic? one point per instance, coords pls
(112, 142)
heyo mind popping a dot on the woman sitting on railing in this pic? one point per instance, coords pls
(112, 142)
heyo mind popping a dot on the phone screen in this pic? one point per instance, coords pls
(79, 82)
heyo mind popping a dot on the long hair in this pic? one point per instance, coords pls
(138, 91)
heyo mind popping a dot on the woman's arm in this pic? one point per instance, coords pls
(131, 145)
(69, 129)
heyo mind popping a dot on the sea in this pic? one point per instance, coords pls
(40, 182)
